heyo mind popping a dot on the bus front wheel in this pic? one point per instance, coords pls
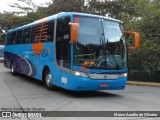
(47, 78)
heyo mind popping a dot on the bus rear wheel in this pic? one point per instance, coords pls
(47, 78)
(13, 72)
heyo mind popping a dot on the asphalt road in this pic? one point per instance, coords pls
(21, 91)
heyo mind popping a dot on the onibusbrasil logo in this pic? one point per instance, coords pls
(16, 115)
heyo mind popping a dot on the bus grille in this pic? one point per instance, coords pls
(104, 76)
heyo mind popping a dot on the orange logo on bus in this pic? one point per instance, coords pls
(39, 37)
(37, 48)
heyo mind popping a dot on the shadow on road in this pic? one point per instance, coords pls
(90, 94)
(74, 94)
(27, 78)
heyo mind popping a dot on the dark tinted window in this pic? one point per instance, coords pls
(39, 33)
(19, 36)
(8, 38)
(50, 31)
(13, 38)
(43, 32)
(62, 42)
(26, 36)
(36, 33)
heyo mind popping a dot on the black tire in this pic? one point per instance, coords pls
(47, 77)
(13, 72)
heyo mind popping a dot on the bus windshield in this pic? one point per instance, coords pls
(101, 44)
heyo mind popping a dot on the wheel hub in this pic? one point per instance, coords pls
(48, 79)
(12, 69)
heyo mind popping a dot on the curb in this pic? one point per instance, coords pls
(150, 84)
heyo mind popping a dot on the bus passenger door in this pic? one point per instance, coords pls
(63, 50)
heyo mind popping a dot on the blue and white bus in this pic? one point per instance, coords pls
(74, 51)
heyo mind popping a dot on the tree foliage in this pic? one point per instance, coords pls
(142, 16)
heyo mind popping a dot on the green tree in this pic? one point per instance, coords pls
(7, 21)
(30, 6)
(148, 55)
(65, 6)
(142, 16)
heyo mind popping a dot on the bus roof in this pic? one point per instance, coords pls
(52, 17)
(98, 16)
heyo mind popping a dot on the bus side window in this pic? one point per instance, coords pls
(8, 38)
(50, 31)
(62, 42)
(26, 36)
(13, 38)
(39, 33)
(36, 30)
(19, 37)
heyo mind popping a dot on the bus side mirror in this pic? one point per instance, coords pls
(136, 39)
(74, 32)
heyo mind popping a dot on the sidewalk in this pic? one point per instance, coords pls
(151, 84)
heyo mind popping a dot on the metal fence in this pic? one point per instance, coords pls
(144, 76)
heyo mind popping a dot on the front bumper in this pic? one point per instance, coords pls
(78, 83)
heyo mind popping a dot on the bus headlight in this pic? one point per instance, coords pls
(77, 73)
(123, 75)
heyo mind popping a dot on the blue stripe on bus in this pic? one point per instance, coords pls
(23, 65)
